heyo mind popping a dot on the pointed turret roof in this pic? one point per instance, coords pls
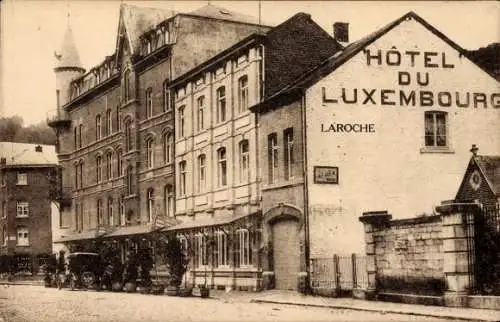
(68, 55)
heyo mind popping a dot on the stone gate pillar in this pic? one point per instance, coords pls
(458, 227)
(372, 221)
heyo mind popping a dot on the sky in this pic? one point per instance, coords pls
(30, 32)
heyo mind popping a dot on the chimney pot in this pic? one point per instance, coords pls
(341, 31)
(474, 150)
(38, 148)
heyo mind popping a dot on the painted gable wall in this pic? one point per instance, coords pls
(388, 169)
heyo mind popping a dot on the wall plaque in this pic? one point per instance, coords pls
(329, 175)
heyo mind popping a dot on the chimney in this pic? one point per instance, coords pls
(38, 148)
(341, 32)
(474, 150)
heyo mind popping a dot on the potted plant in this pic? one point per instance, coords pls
(176, 262)
(204, 290)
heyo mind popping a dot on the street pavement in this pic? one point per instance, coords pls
(20, 303)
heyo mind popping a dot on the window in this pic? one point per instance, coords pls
(109, 122)
(288, 152)
(23, 209)
(118, 119)
(436, 129)
(77, 167)
(166, 96)
(182, 178)
(151, 204)
(242, 94)
(222, 167)
(80, 135)
(149, 153)
(126, 86)
(80, 174)
(221, 252)
(122, 211)
(98, 168)
(22, 179)
(109, 165)
(129, 181)
(111, 218)
(23, 236)
(75, 137)
(149, 102)
(181, 121)
(221, 104)
(119, 162)
(5, 237)
(272, 140)
(169, 200)
(167, 147)
(99, 212)
(98, 127)
(4, 209)
(201, 250)
(244, 251)
(244, 160)
(77, 218)
(200, 118)
(201, 173)
(128, 135)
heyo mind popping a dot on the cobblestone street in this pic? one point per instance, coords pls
(35, 303)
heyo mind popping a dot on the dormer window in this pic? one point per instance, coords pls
(166, 36)
(148, 47)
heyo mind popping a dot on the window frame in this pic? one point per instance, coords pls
(222, 249)
(288, 154)
(109, 122)
(202, 175)
(99, 212)
(168, 141)
(182, 121)
(98, 127)
(200, 113)
(273, 157)
(150, 153)
(221, 167)
(434, 133)
(245, 258)
(22, 179)
(182, 178)
(243, 94)
(111, 219)
(244, 161)
(221, 105)
(150, 198)
(26, 231)
(166, 96)
(149, 102)
(98, 168)
(109, 165)
(22, 209)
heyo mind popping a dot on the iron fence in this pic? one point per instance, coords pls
(341, 273)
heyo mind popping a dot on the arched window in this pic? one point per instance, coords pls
(221, 104)
(80, 135)
(99, 213)
(168, 141)
(168, 197)
(129, 180)
(242, 94)
(149, 102)
(122, 211)
(75, 137)
(111, 218)
(109, 165)
(200, 116)
(149, 153)
(98, 168)
(126, 86)
(151, 204)
(109, 122)
(244, 160)
(128, 135)
(201, 172)
(119, 162)
(222, 167)
(181, 121)
(182, 178)
(98, 127)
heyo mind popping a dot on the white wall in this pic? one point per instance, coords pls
(57, 232)
(386, 170)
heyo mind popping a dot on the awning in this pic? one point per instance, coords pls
(207, 222)
(86, 235)
(141, 229)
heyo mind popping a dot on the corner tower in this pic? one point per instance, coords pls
(68, 67)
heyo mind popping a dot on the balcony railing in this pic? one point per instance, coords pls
(57, 117)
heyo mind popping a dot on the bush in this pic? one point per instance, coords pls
(175, 258)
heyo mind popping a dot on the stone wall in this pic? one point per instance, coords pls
(409, 255)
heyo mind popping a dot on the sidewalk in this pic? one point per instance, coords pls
(294, 298)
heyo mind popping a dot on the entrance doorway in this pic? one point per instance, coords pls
(286, 254)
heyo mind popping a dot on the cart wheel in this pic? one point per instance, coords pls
(88, 279)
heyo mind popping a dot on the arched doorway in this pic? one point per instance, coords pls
(286, 253)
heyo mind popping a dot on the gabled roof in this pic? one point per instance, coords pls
(68, 55)
(215, 12)
(25, 154)
(490, 167)
(135, 21)
(338, 59)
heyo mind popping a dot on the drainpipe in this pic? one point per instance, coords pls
(306, 192)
